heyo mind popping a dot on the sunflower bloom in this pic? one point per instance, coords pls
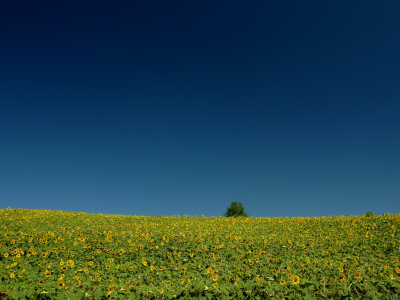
(296, 280)
(70, 263)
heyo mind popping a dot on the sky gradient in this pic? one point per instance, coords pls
(179, 108)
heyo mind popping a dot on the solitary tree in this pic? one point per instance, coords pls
(235, 210)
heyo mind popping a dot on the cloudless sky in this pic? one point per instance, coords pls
(182, 107)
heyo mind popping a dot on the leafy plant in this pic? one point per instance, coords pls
(65, 255)
(235, 210)
(369, 214)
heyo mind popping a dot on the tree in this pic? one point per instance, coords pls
(235, 210)
(369, 214)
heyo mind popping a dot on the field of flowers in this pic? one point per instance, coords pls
(66, 255)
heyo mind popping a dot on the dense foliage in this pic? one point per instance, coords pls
(235, 210)
(85, 256)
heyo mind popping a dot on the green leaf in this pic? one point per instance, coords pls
(98, 293)
(61, 296)
(230, 287)
(12, 293)
(169, 294)
(277, 287)
(308, 297)
(30, 293)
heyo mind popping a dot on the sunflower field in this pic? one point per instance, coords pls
(66, 255)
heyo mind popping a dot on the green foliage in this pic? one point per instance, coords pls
(235, 210)
(369, 214)
(62, 255)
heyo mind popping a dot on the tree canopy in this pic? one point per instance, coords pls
(235, 210)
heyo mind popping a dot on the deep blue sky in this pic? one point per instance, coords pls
(181, 107)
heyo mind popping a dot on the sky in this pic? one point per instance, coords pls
(179, 108)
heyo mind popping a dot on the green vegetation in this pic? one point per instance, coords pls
(235, 210)
(369, 214)
(65, 255)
